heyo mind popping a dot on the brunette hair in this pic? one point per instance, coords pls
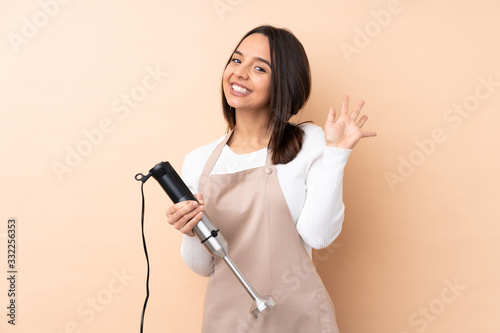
(290, 89)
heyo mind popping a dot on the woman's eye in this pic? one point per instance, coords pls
(260, 69)
(236, 60)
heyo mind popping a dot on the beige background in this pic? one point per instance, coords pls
(419, 251)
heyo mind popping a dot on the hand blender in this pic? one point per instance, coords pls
(208, 234)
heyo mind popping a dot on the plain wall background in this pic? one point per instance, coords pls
(419, 250)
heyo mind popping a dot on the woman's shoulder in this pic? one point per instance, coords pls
(310, 128)
(313, 134)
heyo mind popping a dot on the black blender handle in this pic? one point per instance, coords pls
(171, 182)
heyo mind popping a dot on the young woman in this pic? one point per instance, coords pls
(272, 187)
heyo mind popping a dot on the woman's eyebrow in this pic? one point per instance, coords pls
(258, 58)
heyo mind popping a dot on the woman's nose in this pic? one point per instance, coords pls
(241, 71)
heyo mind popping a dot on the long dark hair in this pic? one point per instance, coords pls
(290, 89)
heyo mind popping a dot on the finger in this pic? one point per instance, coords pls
(188, 227)
(331, 115)
(362, 121)
(369, 134)
(181, 212)
(345, 105)
(357, 110)
(181, 223)
(188, 215)
(175, 207)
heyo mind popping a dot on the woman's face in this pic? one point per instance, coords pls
(247, 77)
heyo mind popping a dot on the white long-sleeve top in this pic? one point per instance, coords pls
(311, 184)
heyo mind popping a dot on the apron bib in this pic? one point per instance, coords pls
(250, 210)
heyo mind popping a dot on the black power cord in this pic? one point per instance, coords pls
(143, 178)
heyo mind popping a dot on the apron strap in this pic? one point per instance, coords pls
(215, 155)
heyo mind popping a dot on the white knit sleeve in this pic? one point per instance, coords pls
(194, 254)
(320, 220)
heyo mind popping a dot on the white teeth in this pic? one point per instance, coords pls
(240, 89)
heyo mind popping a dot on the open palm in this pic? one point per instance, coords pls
(345, 132)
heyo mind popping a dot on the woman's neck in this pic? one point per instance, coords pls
(250, 132)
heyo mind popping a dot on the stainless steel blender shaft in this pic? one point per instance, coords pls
(215, 243)
(260, 303)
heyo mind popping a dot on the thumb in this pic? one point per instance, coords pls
(199, 197)
(331, 115)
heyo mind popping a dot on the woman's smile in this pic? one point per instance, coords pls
(239, 89)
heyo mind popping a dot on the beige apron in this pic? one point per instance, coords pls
(253, 216)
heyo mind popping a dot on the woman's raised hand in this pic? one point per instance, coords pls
(345, 131)
(186, 214)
